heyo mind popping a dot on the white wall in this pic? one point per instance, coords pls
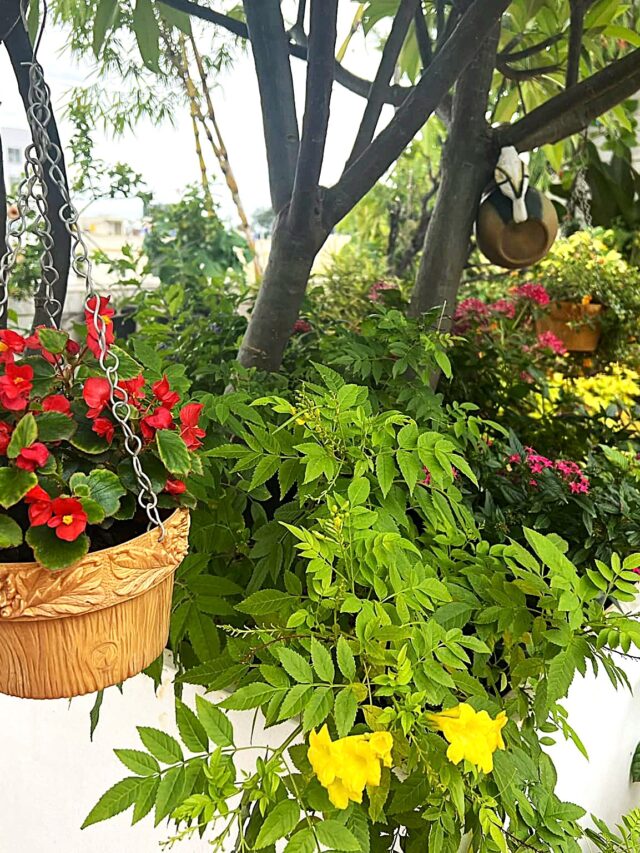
(52, 775)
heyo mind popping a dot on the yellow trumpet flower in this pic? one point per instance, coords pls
(472, 734)
(346, 766)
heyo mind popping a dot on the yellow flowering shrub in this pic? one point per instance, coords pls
(472, 735)
(347, 766)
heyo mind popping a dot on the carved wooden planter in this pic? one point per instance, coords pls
(95, 624)
(578, 326)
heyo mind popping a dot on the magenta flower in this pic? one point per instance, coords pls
(534, 292)
(504, 306)
(547, 340)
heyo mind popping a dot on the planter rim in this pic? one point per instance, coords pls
(100, 579)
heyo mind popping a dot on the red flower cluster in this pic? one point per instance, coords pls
(10, 344)
(15, 386)
(534, 292)
(301, 327)
(191, 433)
(64, 515)
(104, 322)
(570, 472)
(547, 340)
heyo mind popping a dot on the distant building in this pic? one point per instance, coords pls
(14, 141)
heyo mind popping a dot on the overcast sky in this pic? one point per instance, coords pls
(166, 157)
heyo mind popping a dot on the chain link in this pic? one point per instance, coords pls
(43, 154)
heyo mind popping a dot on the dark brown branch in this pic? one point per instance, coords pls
(320, 65)
(523, 74)
(3, 229)
(270, 47)
(576, 32)
(390, 54)
(574, 109)
(447, 65)
(21, 54)
(423, 38)
(526, 52)
(238, 28)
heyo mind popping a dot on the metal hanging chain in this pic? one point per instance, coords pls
(580, 199)
(43, 154)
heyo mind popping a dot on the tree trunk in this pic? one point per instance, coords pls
(467, 164)
(281, 294)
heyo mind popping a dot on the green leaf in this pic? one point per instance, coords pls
(302, 842)
(296, 666)
(104, 20)
(551, 555)
(318, 708)
(10, 532)
(191, 729)
(25, 433)
(411, 793)
(561, 672)
(265, 469)
(54, 426)
(173, 452)
(345, 710)
(337, 837)
(171, 792)
(278, 823)
(215, 723)
(164, 747)
(322, 662)
(95, 513)
(346, 660)
(147, 34)
(139, 762)
(117, 799)
(251, 696)
(85, 439)
(385, 472)
(52, 552)
(53, 340)
(104, 487)
(265, 602)
(294, 702)
(635, 765)
(145, 798)
(358, 491)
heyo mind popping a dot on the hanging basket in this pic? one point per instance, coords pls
(93, 625)
(578, 326)
(515, 245)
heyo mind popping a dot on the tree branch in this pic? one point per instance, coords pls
(526, 52)
(358, 85)
(522, 74)
(574, 109)
(20, 53)
(270, 47)
(320, 67)
(3, 229)
(423, 38)
(576, 33)
(447, 65)
(390, 54)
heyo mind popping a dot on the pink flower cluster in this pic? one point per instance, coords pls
(301, 326)
(570, 472)
(547, 340)
(504, 306)
(534, 292)
(377, 289)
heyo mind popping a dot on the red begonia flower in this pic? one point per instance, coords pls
(191, 433)
(5, 437)
(39, 504)
(104, 428)
(163, 393)
(160, 419)
(15, 386)
(134, 388)
(32, 457)
(96, 394)
(56, 403)
(10, 344)
(105, 313)
(68, 518)
(175, 487)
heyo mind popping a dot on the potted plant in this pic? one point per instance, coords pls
(593, 292)
(85, 587)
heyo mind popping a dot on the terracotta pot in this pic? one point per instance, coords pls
(92, 625)
(578, 326)
(515, 245)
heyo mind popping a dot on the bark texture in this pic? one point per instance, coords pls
(467, 164)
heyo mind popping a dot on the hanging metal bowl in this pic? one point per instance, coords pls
(515, 245)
